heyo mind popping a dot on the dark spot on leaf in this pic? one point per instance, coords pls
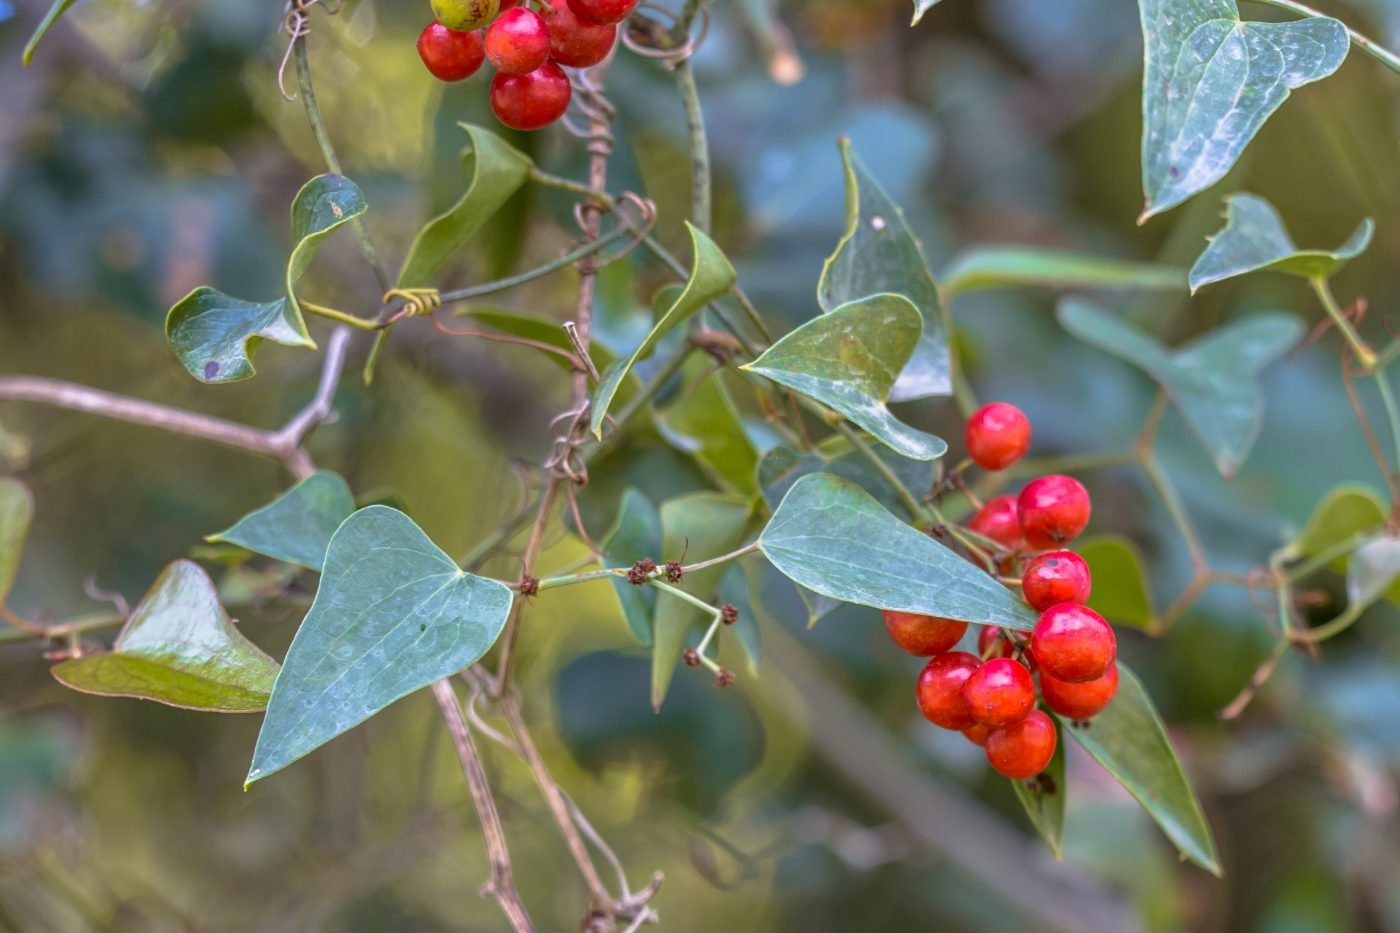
(211, 369)
(422, 627)
(1173, 171)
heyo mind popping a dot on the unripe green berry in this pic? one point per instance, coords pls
(465, 15)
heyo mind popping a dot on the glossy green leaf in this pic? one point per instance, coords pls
(1372, 570)
(496, 170)
(705, 423)
(393, 614)
(1344, 513)
(711, 276)
(880, 254)
(1120, 592)
(832, 537)
(1213, 380)
(178, 648)
(1211, 81)
(1044, 800)
(920, 8)
(848, 359)
(988, 267)
(55, 13)
(16, 512)
(635, 535)
(1255, 238)
(698, 526)
(1129, 740)
(216, 335)
(297, 526)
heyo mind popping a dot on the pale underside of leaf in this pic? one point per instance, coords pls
(1254, 238)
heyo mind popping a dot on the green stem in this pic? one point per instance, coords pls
(1326, 556)
(685, 597)
(65, 629)
(1392, 413)
(539, 272)
(701, 207)
(550, 180)
(1369, 46)
(339, 316)
(1364, 354)
(911, 502)
(1158, 477)
(1333, 628)
(550, 583)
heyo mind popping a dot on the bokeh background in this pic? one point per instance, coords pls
(148, 151)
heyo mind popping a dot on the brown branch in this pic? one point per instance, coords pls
(502, 884)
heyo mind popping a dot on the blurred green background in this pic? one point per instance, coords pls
(148, 151)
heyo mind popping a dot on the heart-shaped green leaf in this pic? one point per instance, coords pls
(1129, 740)
(297, 526)
(496, 170)
(178, 648)
(1255, 238)
(705, 423)
(393, 614)
(1213, 380)
(830, 536)
(880, 254)
(635, 535)
(1211, 81)
(16, 512)
(693, 528)
(920, 8)
(711, 276)
(988, 267)
(1372, 570)
(55, 12)
(216, 336)
(1044, 799)
(848, 359)
(1120, 592)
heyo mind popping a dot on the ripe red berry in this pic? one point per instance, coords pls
(517, 42)
(999, 520)
(1056, 577)
(940, 692)
(999, 693)
(1022, 750)
(574, 42)
(508, 5)
(528, 102)
(977, 733)
(604, 12)
(992, 642)
(450, 55)
(1080, 701)
(1054, 510)
(997, 435)
(923, 635)
(1073, 643)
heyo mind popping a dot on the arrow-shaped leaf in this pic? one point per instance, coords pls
(392, 615)
(1213, 380)
(879, 253)
(920, 8)
(1211, 81)
(1255, 238)
(178, 648)
(848, 360)
(297, 526)
(832, 537)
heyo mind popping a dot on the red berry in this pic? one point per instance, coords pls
(1000, 521)
(1056, 577)
(450, 55)
(508, 5)
(992, 642)
(923, 635)
(1000, 692)
(1054, 510)
(997, 435)
(977, 733)
(1022, 750)
(517, 42)
(1080, 701)
(940, 692)
(604, 12)
(574, 42)
(528, 102)
(1073, 643)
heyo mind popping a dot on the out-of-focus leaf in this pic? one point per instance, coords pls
(699, 526)
(1343, 514)
(735, 589)
(1255, 238)
(16, 512)
(1045, 804)
(535, 327)
(880, 254)
(55, 12)
(987, 267)
(178, 648)
(1120, 592)
(1372, 570)
(392, 615)
(297, 526)
(704, 423)
(1129, 740)
(830, 536)
(636, 534)
(1212, 380)
(848, 359)
(1211, 81)
(920, 8)
(497, 170)
(711, 276)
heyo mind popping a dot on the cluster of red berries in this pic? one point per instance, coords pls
(991, 696)
(527, 47)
